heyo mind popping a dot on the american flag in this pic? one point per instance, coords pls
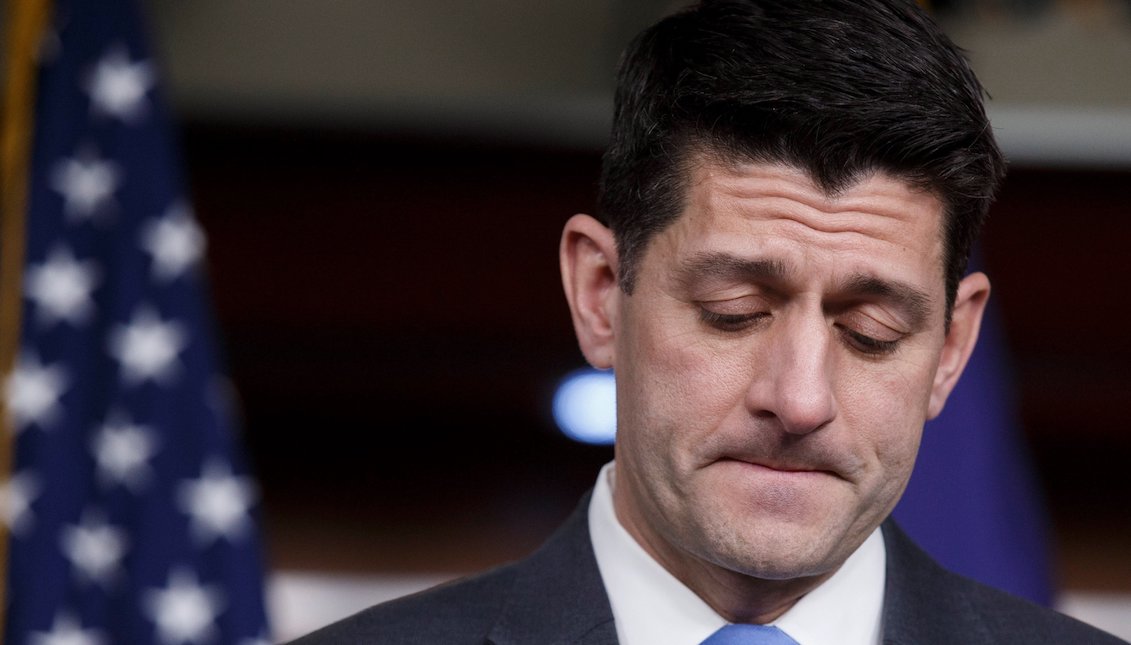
(131, 518)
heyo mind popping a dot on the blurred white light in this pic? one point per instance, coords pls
(585, 406)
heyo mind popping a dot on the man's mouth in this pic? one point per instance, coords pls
(779, 466)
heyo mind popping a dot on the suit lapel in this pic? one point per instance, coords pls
(922, 605)
(558, 596)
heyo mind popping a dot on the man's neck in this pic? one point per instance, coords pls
(738, 597)
(651, 605)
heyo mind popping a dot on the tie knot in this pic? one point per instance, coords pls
(749, 635)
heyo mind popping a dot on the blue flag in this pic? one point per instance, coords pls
(132, 518)
(973, 501)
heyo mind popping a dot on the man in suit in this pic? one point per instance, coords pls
(777, 275)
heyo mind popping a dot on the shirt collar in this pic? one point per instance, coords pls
(652, 607)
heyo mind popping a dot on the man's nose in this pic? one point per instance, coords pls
(794, 385)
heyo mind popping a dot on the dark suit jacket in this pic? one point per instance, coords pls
(555, 596)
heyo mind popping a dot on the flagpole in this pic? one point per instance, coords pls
(26, 21)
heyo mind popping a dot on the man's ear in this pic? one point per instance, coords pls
(966, 320)
(588, 258)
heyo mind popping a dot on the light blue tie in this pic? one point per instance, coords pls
(749, 635)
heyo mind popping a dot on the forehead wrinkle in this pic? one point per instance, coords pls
(790, 193)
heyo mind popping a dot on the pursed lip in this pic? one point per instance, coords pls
(781, 467)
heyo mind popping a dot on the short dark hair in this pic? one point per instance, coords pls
(838, 88)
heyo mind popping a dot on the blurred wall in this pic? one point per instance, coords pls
(1059, 72)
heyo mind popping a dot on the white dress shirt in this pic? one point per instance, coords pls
(652, 607)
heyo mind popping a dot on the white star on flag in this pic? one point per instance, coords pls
(61, 288)
(175, 242)
(15, 501)
(147, 348)
(94, 548)
(118, 87)
(67, 630)
(184, 611)
(122, 451)
(32, 392)
(86, 183)
(217, 503)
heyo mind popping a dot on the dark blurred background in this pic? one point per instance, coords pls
(383, 185)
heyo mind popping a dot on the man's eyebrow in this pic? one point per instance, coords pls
(730, 267)
(913, 301)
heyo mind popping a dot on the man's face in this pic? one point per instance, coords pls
(775, 365)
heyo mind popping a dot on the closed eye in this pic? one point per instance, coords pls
(731, 322)
(868, 345)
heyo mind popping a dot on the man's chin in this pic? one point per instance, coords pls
(774, 548)
(771, 565)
